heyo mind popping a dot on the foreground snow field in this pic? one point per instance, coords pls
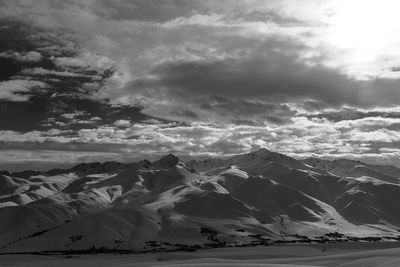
(339, 254)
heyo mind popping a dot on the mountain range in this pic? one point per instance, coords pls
(262, 197)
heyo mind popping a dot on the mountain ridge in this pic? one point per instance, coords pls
(261, 197)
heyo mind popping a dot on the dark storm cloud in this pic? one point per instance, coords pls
(8, 68)
(68, 82)
(15, 37)
(260, 75)
(270, 75)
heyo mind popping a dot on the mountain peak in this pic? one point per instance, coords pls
(261, 152)
(167, 161)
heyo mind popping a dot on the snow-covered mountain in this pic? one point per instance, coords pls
(353, 168)
(258, 197)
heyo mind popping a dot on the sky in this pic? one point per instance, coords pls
(96, 80)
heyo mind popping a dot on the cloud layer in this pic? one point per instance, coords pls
(199, 77)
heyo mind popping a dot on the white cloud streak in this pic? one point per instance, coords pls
(17, 90)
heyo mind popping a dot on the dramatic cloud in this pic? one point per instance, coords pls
(201, 77)
(265, 76)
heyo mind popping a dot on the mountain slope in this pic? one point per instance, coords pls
(352, 168)
(170, 204)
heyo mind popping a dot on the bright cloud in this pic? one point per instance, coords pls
(18, 90)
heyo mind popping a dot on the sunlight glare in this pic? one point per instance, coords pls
(365, 26)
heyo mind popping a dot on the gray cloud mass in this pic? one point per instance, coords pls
(198, 78)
